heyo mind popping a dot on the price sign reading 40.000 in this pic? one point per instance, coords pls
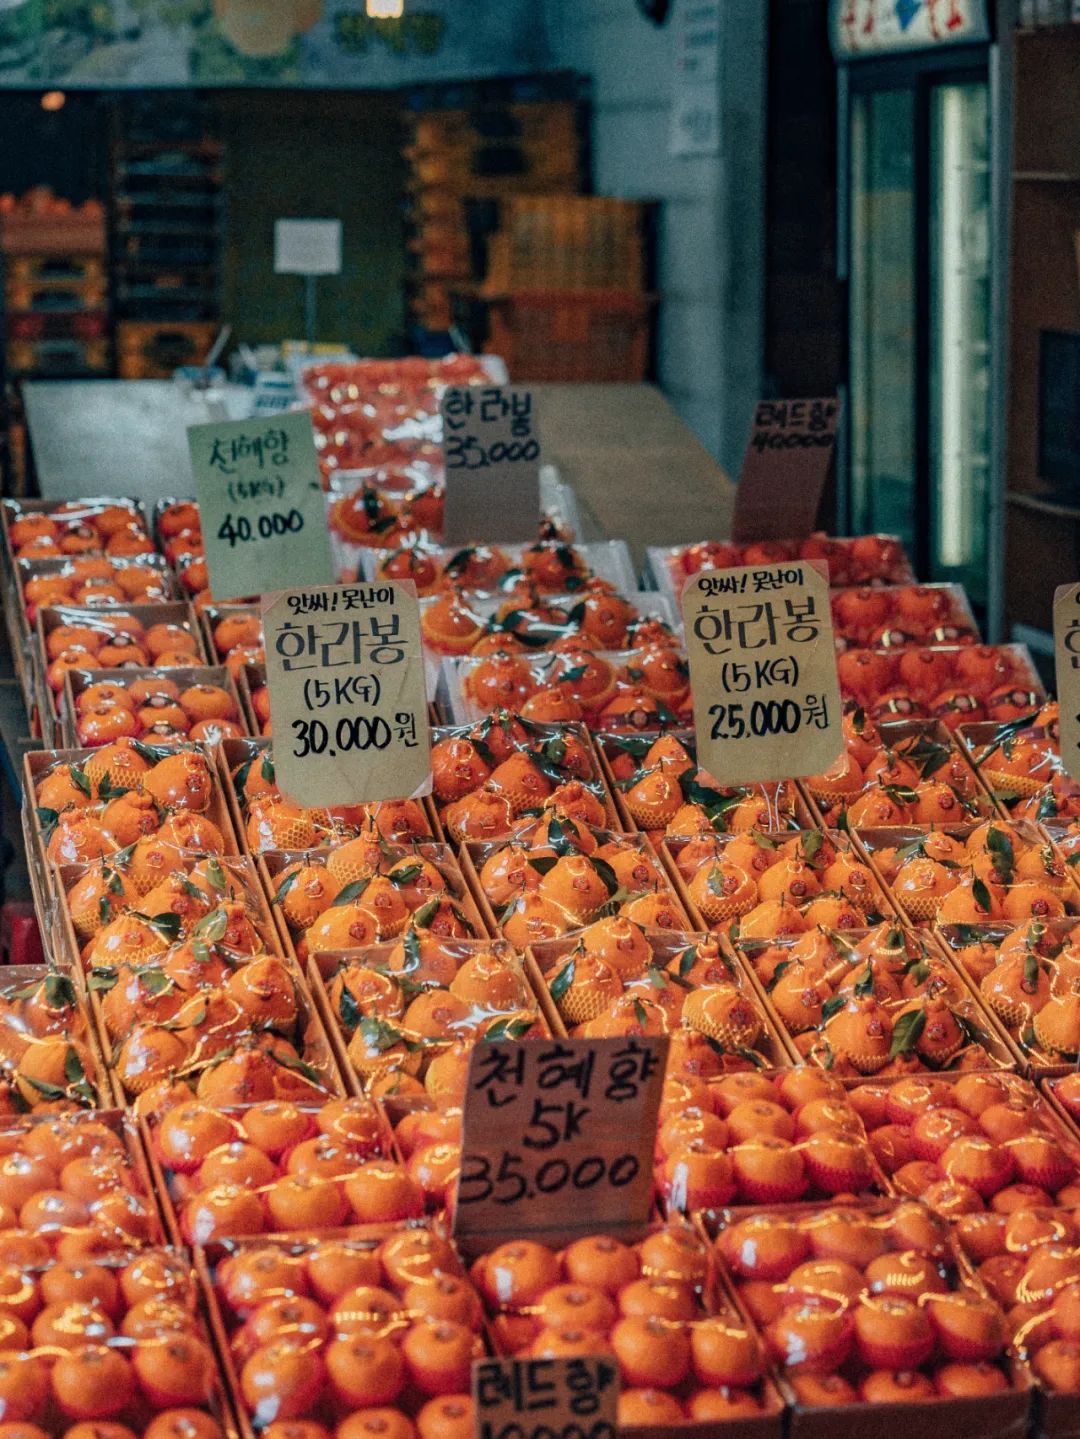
(763, 672)
(565, 1398)
(1067, 662)
(345, 668)
(262, 506)
(557, 1133)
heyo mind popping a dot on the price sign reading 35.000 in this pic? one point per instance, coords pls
(345, 668)
(763, 672)
(492, 453)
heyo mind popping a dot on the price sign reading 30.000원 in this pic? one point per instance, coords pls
(345, 668)
(763, 672)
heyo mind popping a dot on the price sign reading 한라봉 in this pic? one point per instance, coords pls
(345, 667)
(1067, 664)
(491, 450)
(565, 1398)
(559, 1134)
(763, 672)
(263, 512)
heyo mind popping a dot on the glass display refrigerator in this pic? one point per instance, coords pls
(922, 243)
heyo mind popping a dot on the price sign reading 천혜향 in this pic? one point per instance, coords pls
(763, 672)
(1067, 664)
(565, 1398)
(784, 469)
(345, 668)
(263, 512)
(559, 1133)
(492, 453)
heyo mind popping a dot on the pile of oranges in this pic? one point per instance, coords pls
(956, 684)
(548, 567)
(350, 1335)
(1021, 764)
(73, 1186)
(753, 1138)
(81, 639)
(155, 707)
(113, 1344)
(652, 1307)
(76, 527)
(968, 1143)
(278, 1167)
(863, 560)
(91, 582)
(901, 616)
(127, 792)
(48, 1063)
(237, 636)
(866, 1304)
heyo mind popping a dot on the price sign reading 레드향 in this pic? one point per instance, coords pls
(559, 1133)
(787, 461)
(345, 668)
(564, 1398)
(1067, 664)
(763, 672)
(262, 507)
(492, 454)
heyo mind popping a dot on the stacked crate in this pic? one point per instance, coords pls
(566, 288)
(467, 160)
(168, 228)
(55, 289)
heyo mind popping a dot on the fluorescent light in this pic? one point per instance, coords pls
(385, 9)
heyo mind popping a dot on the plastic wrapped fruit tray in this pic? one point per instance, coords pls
(50, 1061)
(200, 701)
(902, 616)
(867, 560)
(1020, 763)
(958, 683)
(548, 567)
(51, 529)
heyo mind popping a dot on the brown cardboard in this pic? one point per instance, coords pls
(491, 452)
(14, 509)
(787, 460)
(763, 675)
(345, 667)
(250, 678)
(506, 1391)
(75, 681)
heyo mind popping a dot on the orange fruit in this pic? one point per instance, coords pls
(365, 1370)
(281, 1381)
(94, 1382)
(651, 1352)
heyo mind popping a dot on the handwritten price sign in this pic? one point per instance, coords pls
(559, 1133)
(546, 1398)
(492, 454)
(1067, 664)
(763, 672)
(345, 668)
(263, 512)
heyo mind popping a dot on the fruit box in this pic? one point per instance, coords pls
(902, 616)
(545, 745)
(503, 1020)
(868, 904)
(974, 950)
(1020, 764)
(38, 763)
(127, 1381)
(65, 512)
(64, 570)
(625, 760)
(928, 747)
(51, 617)
(499, 564)
(884, 958)
(981, 681)
(272, 864)
(352, 1257)
(212, 615)
(175, 1188)
(76, 681)
(317, 1063)
(771, 1049)
(903, 1225)
(632, 851)
(237, 756)
(50, 1053)
(625, 705)
(675, 1257)
(238, 877)
(140, 1225)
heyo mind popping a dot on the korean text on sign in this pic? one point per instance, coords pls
(1067, 661)
(492, 452)
(547, 1122)
(346, 674)
(763, 672)
(261, 502)
(520, 1398)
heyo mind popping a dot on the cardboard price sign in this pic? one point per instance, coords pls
(763, 672)
(263, 512)
(1067, 665)
(559, 1134)
(345, 668)
(492, 454)
(546, 1398)
(784, 469)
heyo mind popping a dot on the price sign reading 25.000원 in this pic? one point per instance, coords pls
(345, 668)
(262, 506)
(763, 672)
